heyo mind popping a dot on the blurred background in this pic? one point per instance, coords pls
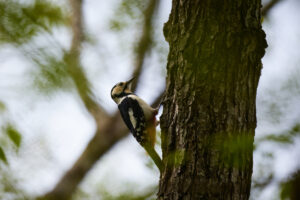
(49, 108)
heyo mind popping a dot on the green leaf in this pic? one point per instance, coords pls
(14, 135)
(2, 156)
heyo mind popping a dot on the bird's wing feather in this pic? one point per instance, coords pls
(134, 118)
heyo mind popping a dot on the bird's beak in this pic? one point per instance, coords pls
(128, 83)
(130, 80)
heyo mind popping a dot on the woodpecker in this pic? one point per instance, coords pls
(138, 116)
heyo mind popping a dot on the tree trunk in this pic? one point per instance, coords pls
(209, 115)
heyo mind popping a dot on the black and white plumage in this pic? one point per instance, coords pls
(139, 117)
(134, 118)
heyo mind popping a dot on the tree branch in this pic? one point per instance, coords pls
(144, 44)
(105, 138)
(72, 59)
(266, 8)
(109, 129)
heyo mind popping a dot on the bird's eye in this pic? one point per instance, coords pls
(121, 84)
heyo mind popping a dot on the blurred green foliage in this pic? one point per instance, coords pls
(285, 138)
(290, 189)
(20, 25)
(129, 13)
(28, 26)
(287, 188)
(11, 139)
(3, 156)
(51, 75)
(14, 135)
(9, 188)
(20, 22)
(2, 106)
(131, 193)
(278, 112)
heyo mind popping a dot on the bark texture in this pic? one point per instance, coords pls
(209, 115)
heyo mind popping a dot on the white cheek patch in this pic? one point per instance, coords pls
(132, 119)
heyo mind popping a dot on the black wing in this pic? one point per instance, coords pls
(134, 118)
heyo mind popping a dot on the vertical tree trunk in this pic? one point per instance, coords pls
(209, 113)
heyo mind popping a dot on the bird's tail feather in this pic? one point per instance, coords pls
(155, 157)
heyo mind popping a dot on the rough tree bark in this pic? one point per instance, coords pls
(209, 115)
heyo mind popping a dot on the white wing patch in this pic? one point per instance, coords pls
(132, 118)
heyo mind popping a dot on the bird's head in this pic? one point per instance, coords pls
(120, 90)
